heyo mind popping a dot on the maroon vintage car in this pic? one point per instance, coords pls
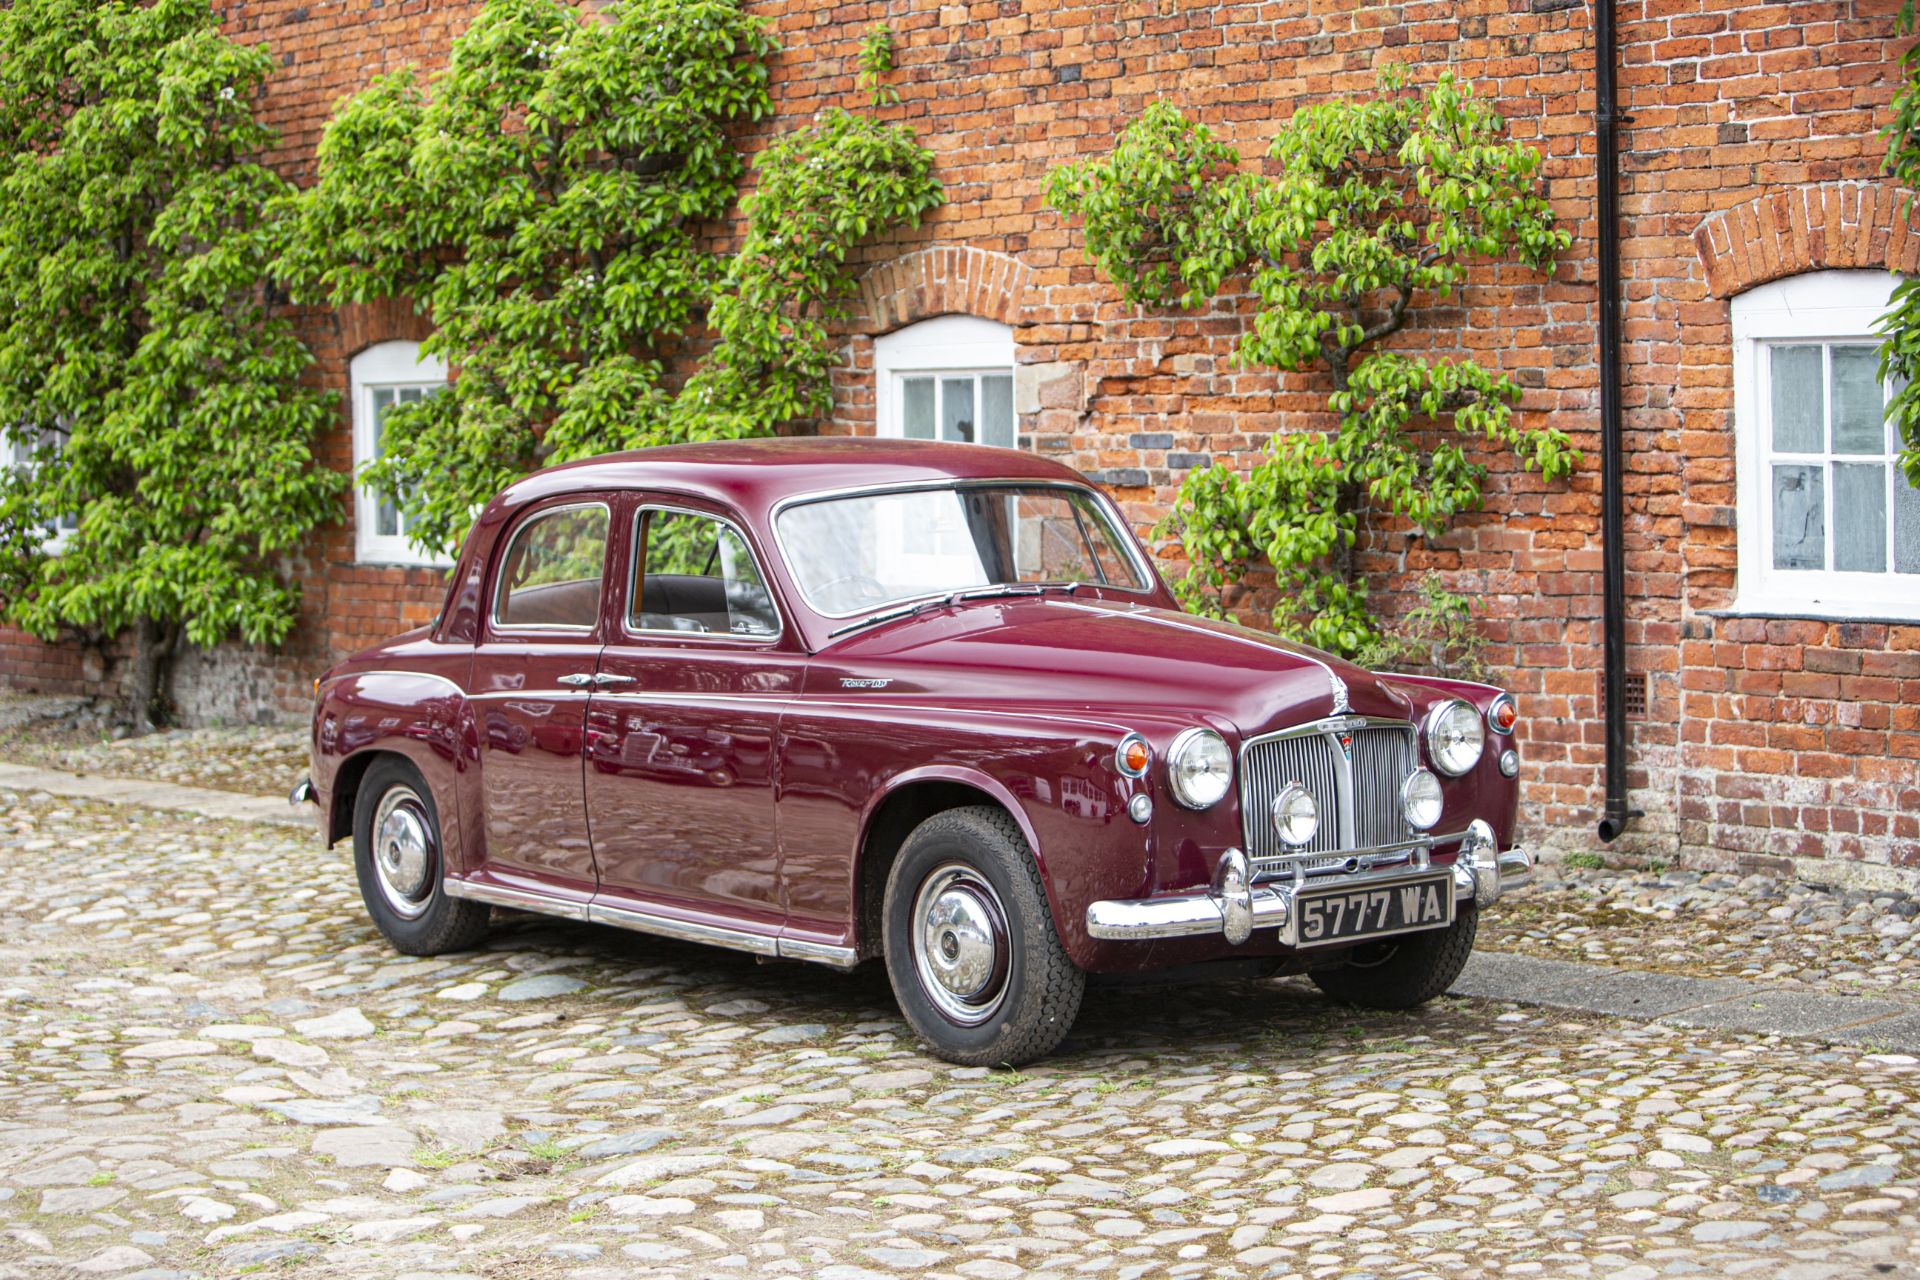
(834, 700)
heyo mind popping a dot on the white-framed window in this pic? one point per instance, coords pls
(949, 378)
(24, 449)
(383, 376)
(1828, 525)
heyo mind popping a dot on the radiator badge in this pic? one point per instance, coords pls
(1340, 707)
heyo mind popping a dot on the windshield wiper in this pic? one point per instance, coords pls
(888, 615)
(996, 591)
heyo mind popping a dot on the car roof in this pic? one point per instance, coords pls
(755, 475)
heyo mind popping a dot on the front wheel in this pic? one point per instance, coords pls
(397, 857)
(1400, 973)
(970, 945)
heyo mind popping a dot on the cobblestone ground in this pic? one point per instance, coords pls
(1718, 925)
(213, 1067)
(253, 760)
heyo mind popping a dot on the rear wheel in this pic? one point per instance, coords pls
(970, 945)
(1400, 973)
(397, 858)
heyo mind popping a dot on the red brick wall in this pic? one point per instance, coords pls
(1751, 154)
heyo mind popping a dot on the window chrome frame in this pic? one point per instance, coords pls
(638, 571)
(500, 573)
(1129, 545)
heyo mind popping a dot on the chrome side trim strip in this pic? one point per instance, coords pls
(825, 953)
(683, 930)
(522, 899)
(712, 935)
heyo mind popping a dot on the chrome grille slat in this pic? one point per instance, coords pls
(1383, 753)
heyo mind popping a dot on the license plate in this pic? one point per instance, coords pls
(1341, 915)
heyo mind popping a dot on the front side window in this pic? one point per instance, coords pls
(385, 377)
(551, 576)
(950, 378)
(1828, 522)
(852, 554)
(697, 575)
(25, 451)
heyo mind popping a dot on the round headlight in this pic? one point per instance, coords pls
(1295, 817)
(1420, 799)
(1454, 737)
(1199, 768)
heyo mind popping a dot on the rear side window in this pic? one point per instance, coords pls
(554, 570)
(697, 575)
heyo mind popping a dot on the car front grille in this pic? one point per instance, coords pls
(1356, 787)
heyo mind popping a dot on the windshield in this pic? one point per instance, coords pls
(849, 555)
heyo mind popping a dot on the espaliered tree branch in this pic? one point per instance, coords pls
(546, 201)
(161, 404)
(1376, 205)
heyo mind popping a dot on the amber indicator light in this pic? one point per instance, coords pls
(1505, 715)
(1135, 756)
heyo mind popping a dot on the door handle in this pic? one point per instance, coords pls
(578, 680)
(605, 679)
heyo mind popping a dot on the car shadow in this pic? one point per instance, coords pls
(1271, 1019)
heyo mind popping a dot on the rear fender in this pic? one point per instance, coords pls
(422, 718)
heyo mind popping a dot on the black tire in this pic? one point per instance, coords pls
(439, 923)
(981, 858)
(1401, 973)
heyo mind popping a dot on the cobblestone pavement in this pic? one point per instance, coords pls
(1718, 925)
(213, 1067)
(66, 733)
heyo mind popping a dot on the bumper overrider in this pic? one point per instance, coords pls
(1235, 906)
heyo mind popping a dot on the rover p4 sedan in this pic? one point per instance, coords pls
(928, 704)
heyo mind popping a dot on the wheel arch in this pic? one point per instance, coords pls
(909, 800)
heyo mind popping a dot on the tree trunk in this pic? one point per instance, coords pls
(152, 703)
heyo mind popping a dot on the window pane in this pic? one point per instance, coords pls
(1796, 400)
(866, 551)
(1906, 524)
(1859, 410)
(1860, 517)
(553, 570)
(996, 410)
(1799, 518)
(916, 408)
(956, 409)
(700, 577)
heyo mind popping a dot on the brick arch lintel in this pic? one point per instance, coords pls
(1808, 228)
(941, 280)
(362, 324)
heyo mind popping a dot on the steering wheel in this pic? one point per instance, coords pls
(866, 590)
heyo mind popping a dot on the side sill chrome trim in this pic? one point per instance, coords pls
(499, 896)
(684, 930)
(826, 953)
(713, 935)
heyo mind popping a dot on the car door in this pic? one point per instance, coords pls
(532, 674)
(681, 730)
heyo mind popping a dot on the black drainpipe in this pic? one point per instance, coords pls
(1613, 608)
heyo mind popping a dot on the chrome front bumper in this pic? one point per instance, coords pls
(1234, 907)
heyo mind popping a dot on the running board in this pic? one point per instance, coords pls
(713, 935)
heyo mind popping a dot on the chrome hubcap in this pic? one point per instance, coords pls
(960, 944)
(403, 851)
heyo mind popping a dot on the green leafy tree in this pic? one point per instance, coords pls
(1373, 206)
(1900, 352)
(154, 397)
(548, 201)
